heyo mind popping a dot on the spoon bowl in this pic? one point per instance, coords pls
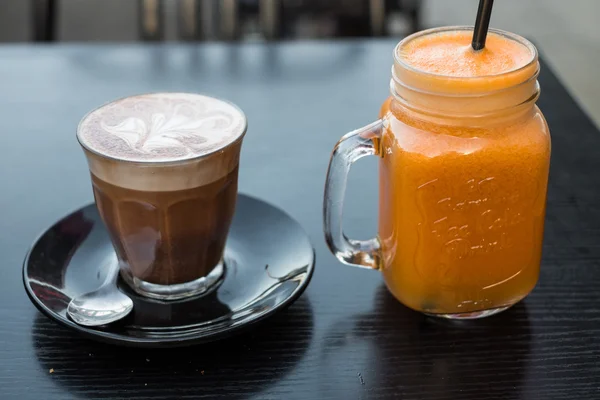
(102, 306)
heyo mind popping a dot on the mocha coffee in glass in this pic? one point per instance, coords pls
(164, 171)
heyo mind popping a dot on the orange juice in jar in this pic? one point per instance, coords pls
(464, 159)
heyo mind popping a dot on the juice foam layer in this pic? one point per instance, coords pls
(433, 68)
(450, 54)
(161, 127)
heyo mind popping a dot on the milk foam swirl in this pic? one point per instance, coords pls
(161, 127)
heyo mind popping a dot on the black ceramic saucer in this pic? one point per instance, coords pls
(269, 262)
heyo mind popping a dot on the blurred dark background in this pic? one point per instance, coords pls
(77, 20)
(567, 32)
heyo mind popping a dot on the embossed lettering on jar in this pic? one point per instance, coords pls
(463, 173)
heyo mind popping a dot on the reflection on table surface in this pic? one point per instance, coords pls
(252, 361)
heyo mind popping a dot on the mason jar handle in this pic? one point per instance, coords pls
(351, 147)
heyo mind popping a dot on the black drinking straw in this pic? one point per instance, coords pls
(482, 23)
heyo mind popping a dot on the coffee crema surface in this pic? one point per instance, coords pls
(161, 127)
(179, 140)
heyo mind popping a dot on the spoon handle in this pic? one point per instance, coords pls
(113, 273)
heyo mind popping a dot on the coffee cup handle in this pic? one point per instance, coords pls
(351, 147)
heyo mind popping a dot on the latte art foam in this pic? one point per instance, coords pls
(161, 127)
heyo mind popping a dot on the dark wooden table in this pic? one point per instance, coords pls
(346, 338)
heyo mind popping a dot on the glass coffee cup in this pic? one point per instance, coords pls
(164, 171)
(464, 156)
